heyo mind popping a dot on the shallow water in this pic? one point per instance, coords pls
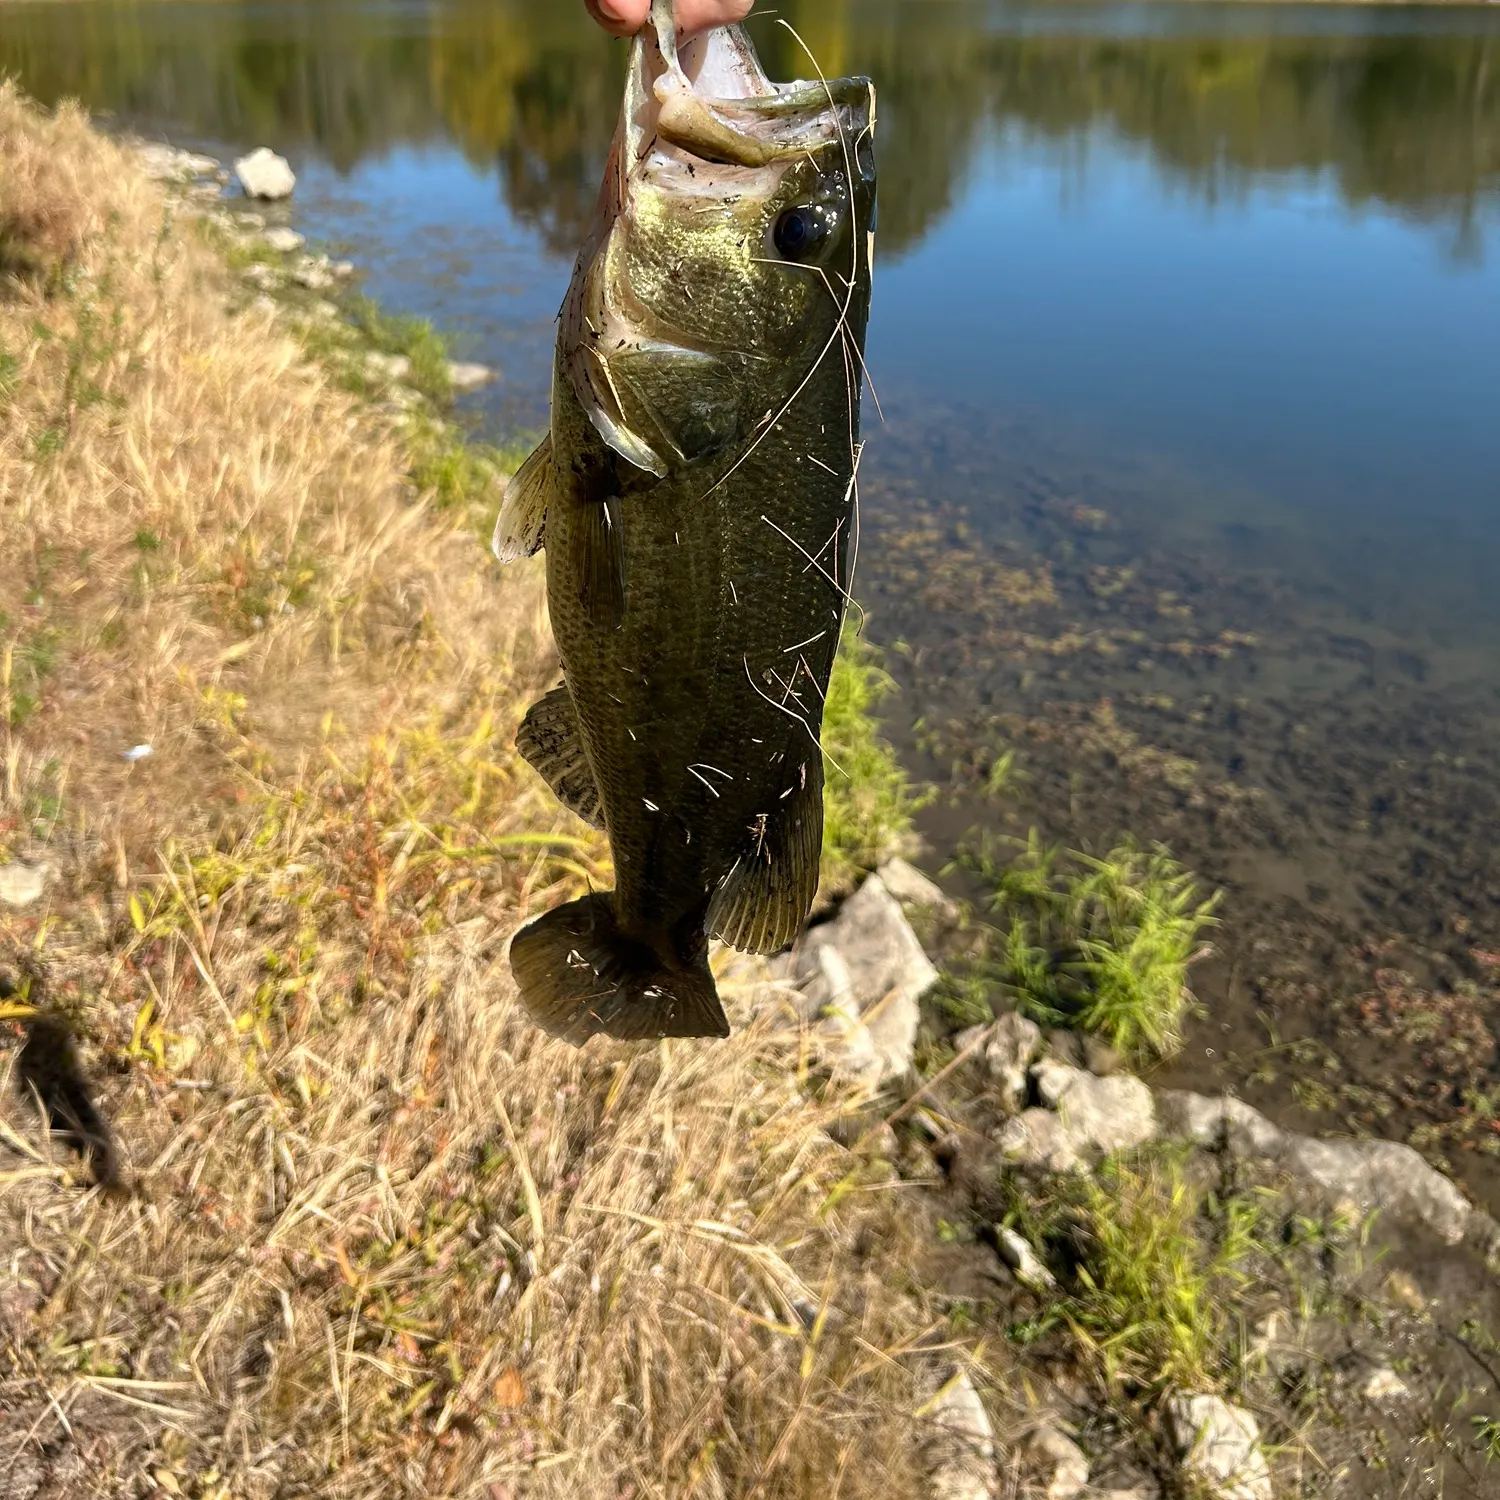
(1187, 337)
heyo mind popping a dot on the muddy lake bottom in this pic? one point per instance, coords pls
(1336, 782)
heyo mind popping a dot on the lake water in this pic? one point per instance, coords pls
(1187, 338)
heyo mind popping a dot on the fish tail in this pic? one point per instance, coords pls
(581, 976)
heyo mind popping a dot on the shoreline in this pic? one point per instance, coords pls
(281, 934)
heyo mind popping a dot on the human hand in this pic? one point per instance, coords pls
(626, 17)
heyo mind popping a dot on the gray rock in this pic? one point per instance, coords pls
(1065, 1046)
(1381, 1175)
(1009, 1053)
(166, 163)
(1100, 1114)
(960, 1451)
(468, 377)
(1219, 1446)
(315, 272)
(264, 278)
(387, 366)
(1221, 1122)
(21, 884)
(1016, 1252)
(915, 891)
(1057, 1456)
(1384, 1384)
(263, 174)
(1038, 1138)
(884, 973)
(283, 240)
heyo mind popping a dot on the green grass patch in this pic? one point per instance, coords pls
(1099, 944)
(868, 799)
(1155, 1274)
(414, 338)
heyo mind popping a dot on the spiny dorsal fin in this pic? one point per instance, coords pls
(550, 741)
(761, 904)
(523, 511)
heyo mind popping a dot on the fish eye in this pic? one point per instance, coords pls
(799, 233)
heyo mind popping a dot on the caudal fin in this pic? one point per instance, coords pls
(580, 976)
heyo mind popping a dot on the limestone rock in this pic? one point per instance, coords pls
(263, 174)
(1008, 1055)
(1219, 1446)
(1383, 1175)
(21, 884)
(1038, 1138)
(264, 278)
(314, 272)
(884, 973)
(166, 163)
(387, 366)
(468, 377)
(914, 890)
(1100, 1114)
(1016, 1252)
(961, 1450)
(1060, 1459)
(283, 240)
(1384, 1384)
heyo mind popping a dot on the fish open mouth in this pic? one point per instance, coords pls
(711, 98)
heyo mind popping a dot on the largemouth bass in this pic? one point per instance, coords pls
(695, 497)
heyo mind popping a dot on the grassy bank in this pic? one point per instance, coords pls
(375, 1236)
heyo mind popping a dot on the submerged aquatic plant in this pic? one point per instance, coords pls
(1102, 944)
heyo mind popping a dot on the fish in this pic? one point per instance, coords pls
(695, 497)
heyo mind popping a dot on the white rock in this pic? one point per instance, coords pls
(168, 164)
(341, 268)
(1219, 1446)
(1384, 1384)
(1057, 1456)
(263, 174)
(387, 366)
(264, 278)
(283, 240)
(1100, 1114)
(1217, 1121)
(887, 972)
(960, 1452)
(314, 272)
(913, 889)
(468, 377)
(1008, 1055)
(264, 305)
(1038, 1138)
(1381, 1175)
(21, 884)
(1017, 1253)
(250, 220)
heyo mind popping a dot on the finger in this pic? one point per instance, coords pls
(623, 17)
(626, 17)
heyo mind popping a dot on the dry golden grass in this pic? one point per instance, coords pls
(379, 1237)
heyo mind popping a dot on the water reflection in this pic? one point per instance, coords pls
(1409, 120)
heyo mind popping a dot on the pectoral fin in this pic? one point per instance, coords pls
(550, 740)
(761, 904)
(523, 511)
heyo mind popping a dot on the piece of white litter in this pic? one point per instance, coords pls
(136, 752)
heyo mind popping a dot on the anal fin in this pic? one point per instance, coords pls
(761, 904)
(550, 740)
